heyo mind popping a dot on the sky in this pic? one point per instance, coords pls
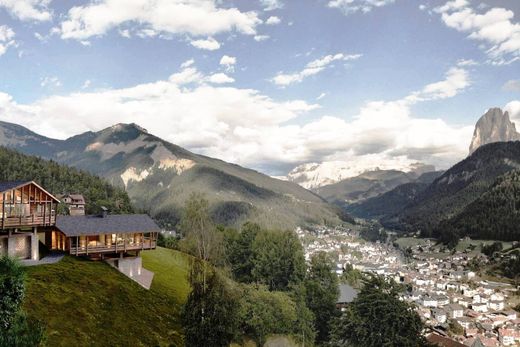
(268, 84)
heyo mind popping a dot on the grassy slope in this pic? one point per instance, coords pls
(89, 303)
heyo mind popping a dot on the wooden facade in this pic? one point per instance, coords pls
(101, 243)
(26, 209)
(27, 205)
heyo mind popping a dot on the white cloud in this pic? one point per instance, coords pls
(273, 20)
(321, 96)
(188, 63)
(220, 78)
(209, 44)
(494, 28)
(250, 128)
(193, 17)
(50, 81)
(514, 112)
(228, 62)
(26, 10)
(512, 86)
(312, 68)
(260, 38)
(353, 6)
(6, 38)
(270, 5)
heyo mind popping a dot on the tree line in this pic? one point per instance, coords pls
(252, 283)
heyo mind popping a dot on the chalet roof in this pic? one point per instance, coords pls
(10, 185)
(5, 186)
(77, 198)
(110, 224)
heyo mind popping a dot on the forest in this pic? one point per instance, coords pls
(61, 179)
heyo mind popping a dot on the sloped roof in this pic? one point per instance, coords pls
(110, 224)
(9, 185)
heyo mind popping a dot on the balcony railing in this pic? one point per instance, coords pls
(117, 247)
(23, 221)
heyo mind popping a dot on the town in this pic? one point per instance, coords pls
(458, 307)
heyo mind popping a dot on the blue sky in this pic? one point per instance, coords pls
(309, 80)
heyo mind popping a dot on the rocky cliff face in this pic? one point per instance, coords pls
(494, 126)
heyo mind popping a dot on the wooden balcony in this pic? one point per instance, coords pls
(28, 221)
(115, 248)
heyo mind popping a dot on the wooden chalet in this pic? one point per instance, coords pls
(26, 210)
(104, 234)
(28, 216)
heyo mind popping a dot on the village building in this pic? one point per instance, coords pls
(75, 203)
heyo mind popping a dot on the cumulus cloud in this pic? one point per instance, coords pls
(26, 10)
(220, 78)
(228, 62)
(494, 28)
(353, 6)
(6, 38)
(273, 20)
(250, 128)
(312, 68)
(209, 44)
(514, 111)
(193, 17)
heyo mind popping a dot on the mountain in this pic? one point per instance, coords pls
(393, 201)
(365, 186)
(315, 175)
(159, 176)
(493, 215)
(493, 126)
(458, 187)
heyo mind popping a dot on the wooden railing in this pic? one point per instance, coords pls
(32, 220)
(117, 247)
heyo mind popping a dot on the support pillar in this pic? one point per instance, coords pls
(11, 245)
(35, 245)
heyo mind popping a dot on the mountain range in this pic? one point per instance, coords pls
(476, 197)
(160, 176)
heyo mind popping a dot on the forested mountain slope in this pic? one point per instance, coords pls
(458, 187)
(59, 179)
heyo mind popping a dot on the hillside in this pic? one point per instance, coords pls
(59, 179)
(159, 176)
(392, 202)
(367, 185)
(458, 187)
(86, 303)
(494, 215)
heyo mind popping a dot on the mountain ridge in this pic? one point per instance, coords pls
(159, 176)
(494, 126)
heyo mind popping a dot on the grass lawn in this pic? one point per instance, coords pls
(88, 303)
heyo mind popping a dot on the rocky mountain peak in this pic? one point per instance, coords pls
(493, 126)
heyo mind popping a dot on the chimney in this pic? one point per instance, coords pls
(104, 212)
